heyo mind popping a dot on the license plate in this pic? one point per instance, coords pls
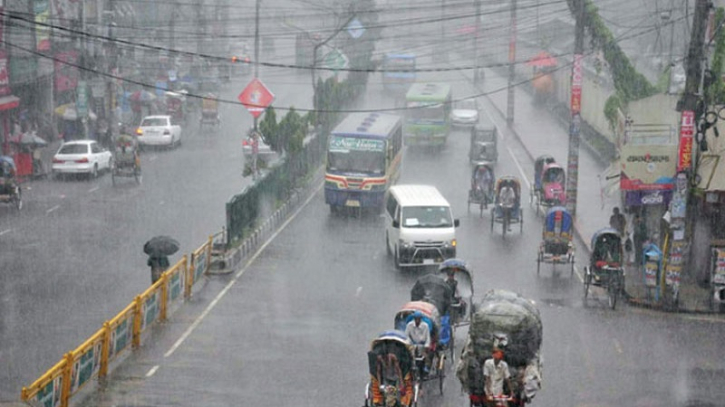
(428, 261)
(352, 202)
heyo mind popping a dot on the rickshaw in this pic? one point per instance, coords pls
(434, 289)
(391, 392)
(549, 181)
(481, 192)
(503, 214)
(484, 144)
(10, 191)
(126, 161)
(460, 308)
(175, 106)
(209, 112)
(557, 246)
(605, 268)
(436, 361)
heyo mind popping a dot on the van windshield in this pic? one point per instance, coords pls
(427, 217)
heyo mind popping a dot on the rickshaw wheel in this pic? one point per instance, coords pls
(521, 220)
(571, 274)
(538, 264)
(612, 295)
(441, 372)
(587, 282)
(19, 199)
(493, 217)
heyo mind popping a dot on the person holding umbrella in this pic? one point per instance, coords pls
(159, 249)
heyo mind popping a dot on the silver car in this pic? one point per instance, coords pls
(159, 131)
(465, 112)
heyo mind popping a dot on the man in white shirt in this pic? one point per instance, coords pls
(418, 332)
(507, 200)
(495, 374)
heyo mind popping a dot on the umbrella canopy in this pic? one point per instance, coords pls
(542, 59)
(142, 96)
(31, 140)
(161, 246)
(68, 112)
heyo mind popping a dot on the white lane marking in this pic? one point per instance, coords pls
(94, 189)
(6, 231)
(152, 371)
(518, 165)
(578, 274)
(617, 346)
(358, 291)
(53, 209)
(237, 276)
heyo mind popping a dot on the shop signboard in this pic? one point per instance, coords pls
(718, 275)
(647, 167)
(66, 74)
(82, 99)
(650, 273)
(42, 29)
(4, 77)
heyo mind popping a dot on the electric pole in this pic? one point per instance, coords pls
(476, 68)
(687, 106)
(512, 67)
(572, 180)
(256, 48)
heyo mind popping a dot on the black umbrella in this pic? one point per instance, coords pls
(161, 246)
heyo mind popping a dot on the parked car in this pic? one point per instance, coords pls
(159, 131)
(465, 112)
(81, 157)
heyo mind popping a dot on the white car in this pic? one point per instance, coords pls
(465, 113)
(158, 131)
(81, 157)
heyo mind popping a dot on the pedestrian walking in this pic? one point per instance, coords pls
(158, 265)
(639, 236)
(618, 221)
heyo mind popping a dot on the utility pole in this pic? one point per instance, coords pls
(512, 67)
(572, 180)
(256, 47)
(476, 68)
(443, 50)
(687, 106)
(111, 66)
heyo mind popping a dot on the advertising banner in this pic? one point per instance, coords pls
(66, 74)
(42, 31)
(718, 275)
(647, 168)
(687, 130)
(4, 77)
(651, 269)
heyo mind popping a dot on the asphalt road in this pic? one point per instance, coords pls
(72, 258)
(292, 327)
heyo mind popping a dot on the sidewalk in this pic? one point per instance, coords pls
(540, 132)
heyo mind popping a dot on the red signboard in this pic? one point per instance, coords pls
(576, 85)
(256, 97)
(66, 73)
(687, 130)
(4, 78)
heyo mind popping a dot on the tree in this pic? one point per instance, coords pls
(270, 129)
(292, 130)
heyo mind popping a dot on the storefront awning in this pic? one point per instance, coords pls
(9, 102)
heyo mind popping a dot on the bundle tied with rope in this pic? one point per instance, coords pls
(506, 320)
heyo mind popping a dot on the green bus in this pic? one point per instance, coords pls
(428, 108)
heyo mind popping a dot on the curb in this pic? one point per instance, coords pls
(631, 300)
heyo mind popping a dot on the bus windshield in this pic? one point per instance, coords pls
(425, 112)
(357, 155)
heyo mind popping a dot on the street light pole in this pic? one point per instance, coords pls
(512, 69)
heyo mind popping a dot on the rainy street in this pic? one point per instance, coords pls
(293, 325)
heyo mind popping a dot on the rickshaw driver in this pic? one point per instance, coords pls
(388, 370)
(507, 200)
(495, 375)
(418, 332)
(457, 304)
(482, 181)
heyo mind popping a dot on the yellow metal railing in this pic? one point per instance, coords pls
(120, 334)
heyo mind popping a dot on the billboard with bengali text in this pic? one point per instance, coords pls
(648, 167)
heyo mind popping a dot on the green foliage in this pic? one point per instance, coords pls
(715, 93)
(611, 106)
(630, 84)
(293, 129)
(270, 129)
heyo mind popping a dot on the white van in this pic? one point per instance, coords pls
(420, 228)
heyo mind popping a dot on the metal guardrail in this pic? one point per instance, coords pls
(119, 335)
